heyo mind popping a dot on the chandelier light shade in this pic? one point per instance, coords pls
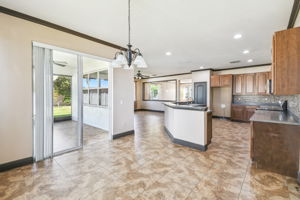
(129, 58)
(139, 62)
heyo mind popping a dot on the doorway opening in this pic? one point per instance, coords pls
(95, 100)
(66, 122)
(70, 100)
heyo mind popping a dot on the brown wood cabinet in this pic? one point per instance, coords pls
(249, 111)
(226, 80)
(238, 84)
(242, 112)
(262, 82)
(286, 62)
(237, 112)
(215, 81)
(275, 147)
(221, 80)
(249, 84)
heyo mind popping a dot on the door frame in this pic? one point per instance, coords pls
(80, 56)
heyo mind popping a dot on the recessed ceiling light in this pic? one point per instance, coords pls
(201, 67)
(250, 60)
(246, 51)
(234, 61)
(168, 53)
(237, 36)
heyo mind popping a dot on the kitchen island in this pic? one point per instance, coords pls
(189, 125)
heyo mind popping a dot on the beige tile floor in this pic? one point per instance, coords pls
(149, 166)
(65, 135)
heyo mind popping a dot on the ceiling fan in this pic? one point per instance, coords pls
(60, 63)
(139, 75)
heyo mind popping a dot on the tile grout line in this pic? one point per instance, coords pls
(159, 179)
(244, 178)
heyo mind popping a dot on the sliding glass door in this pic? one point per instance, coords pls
(66, 107)
(57, 102)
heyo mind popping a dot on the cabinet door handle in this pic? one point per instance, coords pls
(274, 134)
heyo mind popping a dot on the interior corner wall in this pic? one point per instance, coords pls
(122, 118)
(16, 36)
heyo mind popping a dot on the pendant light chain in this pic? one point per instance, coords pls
(129, 22)
(129, 58)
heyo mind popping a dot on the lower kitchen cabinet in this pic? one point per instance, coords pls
(249, 111)
(242, 112)
(275, 147)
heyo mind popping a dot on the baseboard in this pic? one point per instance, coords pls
(149, 110)
(16, 163)
(123, 134)
(185, 143)
(219, 117)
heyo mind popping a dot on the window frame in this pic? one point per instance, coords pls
(99, 88)
(180, 86)
(175, 80)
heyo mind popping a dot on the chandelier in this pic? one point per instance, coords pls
(129, 58)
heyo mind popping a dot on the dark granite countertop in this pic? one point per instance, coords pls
(187, 107)
(280, 117)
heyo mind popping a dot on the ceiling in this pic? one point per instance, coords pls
(89, 64)
(197, 32)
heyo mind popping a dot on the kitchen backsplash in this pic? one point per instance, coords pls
(293, 101)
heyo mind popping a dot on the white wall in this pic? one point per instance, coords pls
(203, 76)
(122, 100)
(297, 23)
(96, 116)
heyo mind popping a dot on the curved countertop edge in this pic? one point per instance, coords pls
(184, 107)
(185, 143)
(274, 117)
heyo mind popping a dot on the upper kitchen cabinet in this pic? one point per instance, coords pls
(215, 81)
(221, 80)
(226, 80)
(286, 62)
(249, 84)
(262, 82)
(238, 84)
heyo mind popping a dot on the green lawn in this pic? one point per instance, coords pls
(62, 111)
